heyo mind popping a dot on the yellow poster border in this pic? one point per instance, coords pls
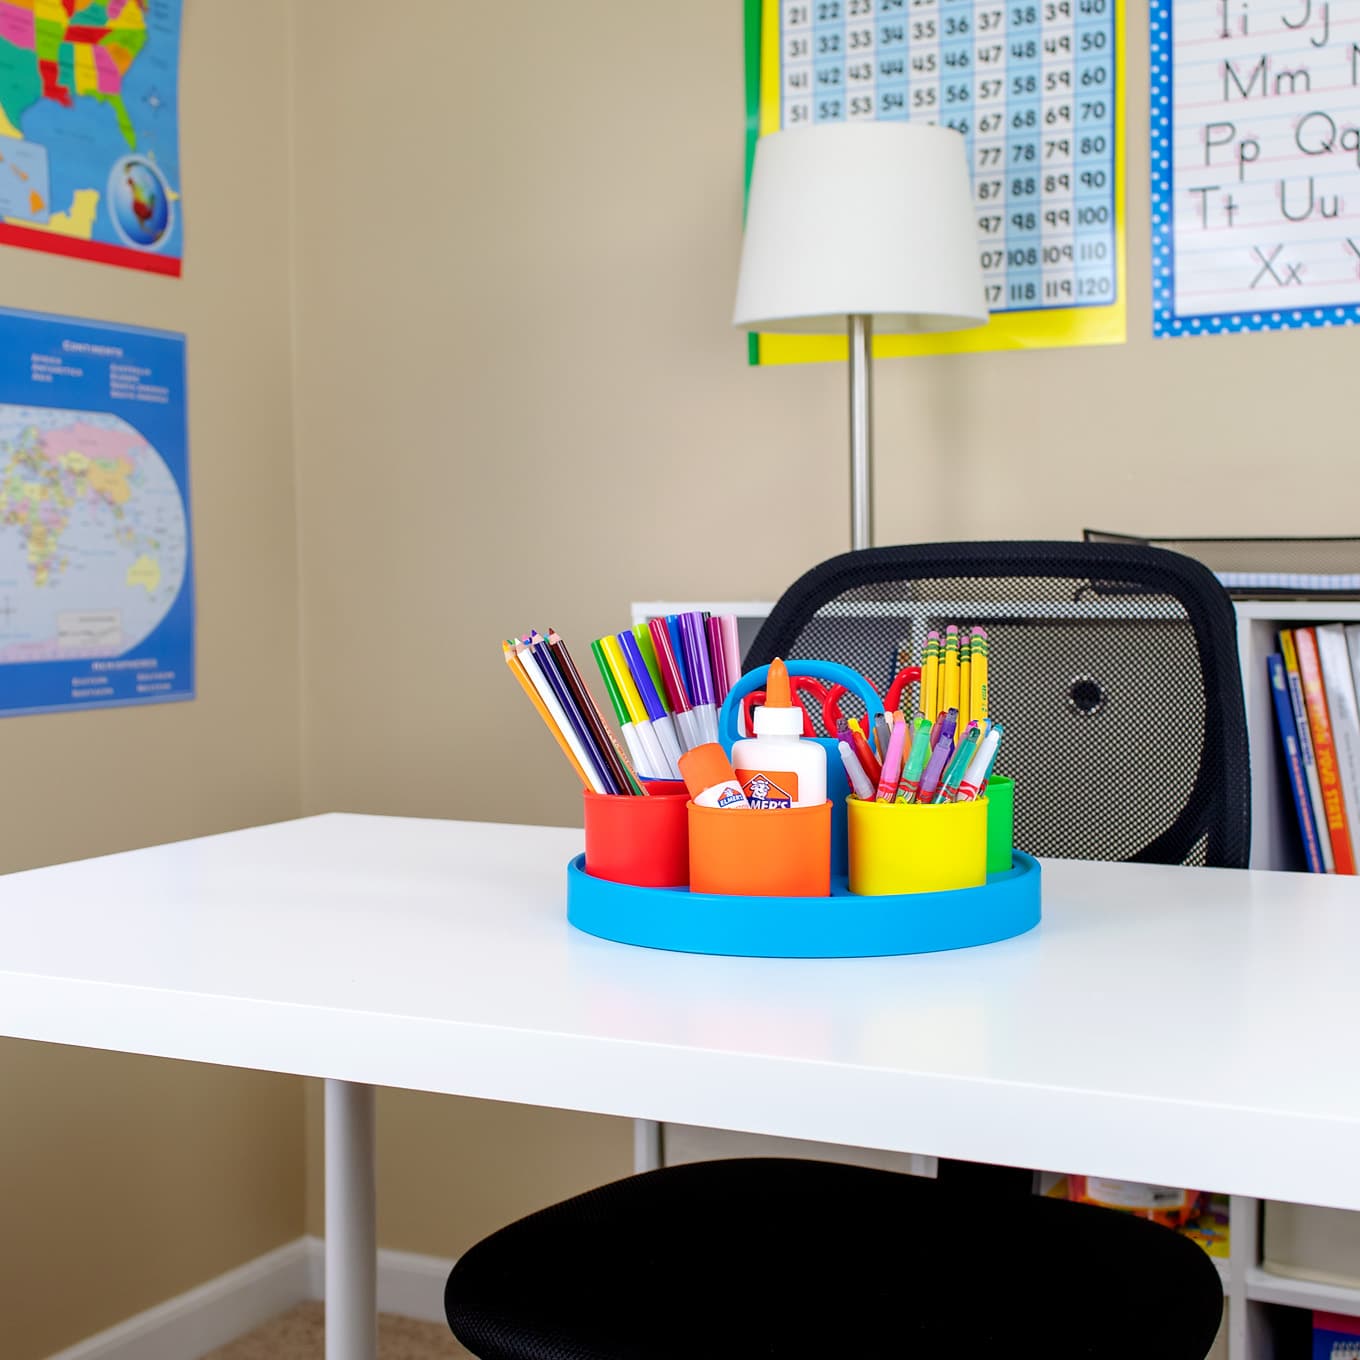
(1049, 328)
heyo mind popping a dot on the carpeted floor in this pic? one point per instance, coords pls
(299, 1334)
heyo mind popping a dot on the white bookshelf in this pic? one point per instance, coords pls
(1253, 1295)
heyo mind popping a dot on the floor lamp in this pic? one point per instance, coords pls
(849, 225)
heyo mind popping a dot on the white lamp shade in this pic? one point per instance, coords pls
(860, 218)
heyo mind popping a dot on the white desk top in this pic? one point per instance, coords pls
(1183, 1026)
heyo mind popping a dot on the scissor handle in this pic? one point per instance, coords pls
(906, 676)
(800, 685)
(829, 672)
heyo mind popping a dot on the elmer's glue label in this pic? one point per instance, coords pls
(778, 768)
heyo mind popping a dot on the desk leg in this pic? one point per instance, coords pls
(351, 1237)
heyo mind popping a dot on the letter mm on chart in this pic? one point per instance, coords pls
(1255, 164)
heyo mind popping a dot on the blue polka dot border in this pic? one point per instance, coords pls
(1165, 319)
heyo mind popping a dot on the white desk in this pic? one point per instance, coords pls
(1187, 1027)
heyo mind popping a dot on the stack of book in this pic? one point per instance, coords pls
(1312, 680)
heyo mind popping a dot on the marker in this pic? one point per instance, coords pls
(651, 701)
(916, 762)
(717, 658)
(980, 767)
(930, 780)
(731, 647)
(678, 652)
(621, 713)
(978, 675)
(958, 765)
(685, 728)
(642, 635)
(882, 733)
(949, 724)
(930, 676)
(892, 764)
(637, 714)
(700, 676)
(873, 767)
(859, 781)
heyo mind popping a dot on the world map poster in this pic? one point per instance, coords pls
(89, 130)
(96, 563)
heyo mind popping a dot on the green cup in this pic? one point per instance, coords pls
(1000, 798)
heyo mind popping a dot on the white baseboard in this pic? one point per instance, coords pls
(207, 1316)
(220, 1310)
(409, 1285)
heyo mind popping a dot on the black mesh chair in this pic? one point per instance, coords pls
(1114, 671)
(1113, 668)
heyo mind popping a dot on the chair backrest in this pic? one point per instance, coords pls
(1113, 669)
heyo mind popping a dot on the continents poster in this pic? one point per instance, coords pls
(96, 564)
(89, 130)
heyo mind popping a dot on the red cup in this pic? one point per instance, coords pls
(643, 841)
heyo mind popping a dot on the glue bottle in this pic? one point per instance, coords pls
(778, 767)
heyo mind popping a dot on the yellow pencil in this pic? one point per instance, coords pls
(513, 659)
(980, 697)
(965, 679)
(949, 697)
(930, 677)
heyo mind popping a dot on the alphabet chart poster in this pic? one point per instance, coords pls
(1036, 87)
(1255, 164)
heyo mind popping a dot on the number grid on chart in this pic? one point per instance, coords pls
(1031, 85)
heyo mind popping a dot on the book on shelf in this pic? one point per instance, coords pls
(1298, 784)
(1344, 715)
(1324, 748)
(1306, 752)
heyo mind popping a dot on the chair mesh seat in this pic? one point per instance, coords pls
(1113, 669)
(789, 1259)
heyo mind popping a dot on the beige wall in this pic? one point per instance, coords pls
(517, 401)
(520, 403)
(126, 1180)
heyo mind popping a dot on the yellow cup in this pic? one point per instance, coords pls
(916, 847)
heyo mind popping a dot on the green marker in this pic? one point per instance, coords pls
(916, 761)
(611, 687)
(643, 634)
(958, 765)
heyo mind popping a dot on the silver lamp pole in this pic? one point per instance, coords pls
(861, 432)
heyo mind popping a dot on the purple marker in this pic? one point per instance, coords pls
(696, 657)
(930, 781)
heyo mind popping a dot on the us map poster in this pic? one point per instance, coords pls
(89, 130)
(1255, 164)
(1035, 87)
(96, 562)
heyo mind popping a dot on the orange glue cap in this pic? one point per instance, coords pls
(777, 686)
(777, 716)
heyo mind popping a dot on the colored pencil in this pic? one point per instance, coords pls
(555, 721)
(540, 656)
(585, 701)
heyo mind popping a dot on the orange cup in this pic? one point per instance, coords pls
(760, 852)
(643, 841)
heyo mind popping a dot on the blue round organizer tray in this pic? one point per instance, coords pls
(840, 926)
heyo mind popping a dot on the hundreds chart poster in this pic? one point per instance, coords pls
(1036, 88)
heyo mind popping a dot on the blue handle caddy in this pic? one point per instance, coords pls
(844, 925)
